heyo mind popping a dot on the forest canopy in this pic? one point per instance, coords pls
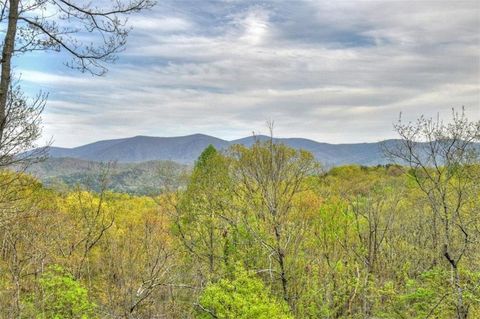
(257, 232)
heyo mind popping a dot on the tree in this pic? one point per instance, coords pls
(373, 216)
(204, 221)
(21, 128)
(270, 177)
(62, 297)
(90, 218)
(60, 25)
(242, 297)
(25, 225)
(136, 260)
(444, 163)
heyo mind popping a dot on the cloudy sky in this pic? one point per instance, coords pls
(332, 71)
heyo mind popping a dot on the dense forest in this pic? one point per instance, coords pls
(257, 232)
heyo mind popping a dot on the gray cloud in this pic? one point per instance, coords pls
(332, 71)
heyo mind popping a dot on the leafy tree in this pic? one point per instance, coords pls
(62, 297)
(204, 221)
(270, 177)
(242, 297)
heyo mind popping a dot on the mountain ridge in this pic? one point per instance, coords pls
(186, 149)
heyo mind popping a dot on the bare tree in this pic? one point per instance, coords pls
(22, 127)
(444, 159)
(91, 32)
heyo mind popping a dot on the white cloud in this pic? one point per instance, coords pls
(160, 24)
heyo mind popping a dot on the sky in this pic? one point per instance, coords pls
(331, 71)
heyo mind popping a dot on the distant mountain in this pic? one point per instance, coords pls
(186, 149)
(183, 149)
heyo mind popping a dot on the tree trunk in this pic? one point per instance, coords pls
(7, 52)
(211, 243)
(281, 263)
(462, 309)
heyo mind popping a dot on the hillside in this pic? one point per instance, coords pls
(133, 178)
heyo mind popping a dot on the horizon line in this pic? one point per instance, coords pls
(222, 139)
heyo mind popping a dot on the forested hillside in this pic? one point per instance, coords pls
(132, 178)
(258, 232)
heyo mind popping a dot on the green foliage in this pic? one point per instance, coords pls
(242, 297)
(355, 242)
(204, 223)
(428, 296)
(63, 297)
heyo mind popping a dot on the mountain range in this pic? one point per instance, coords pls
(186, 149)
(140, 160)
